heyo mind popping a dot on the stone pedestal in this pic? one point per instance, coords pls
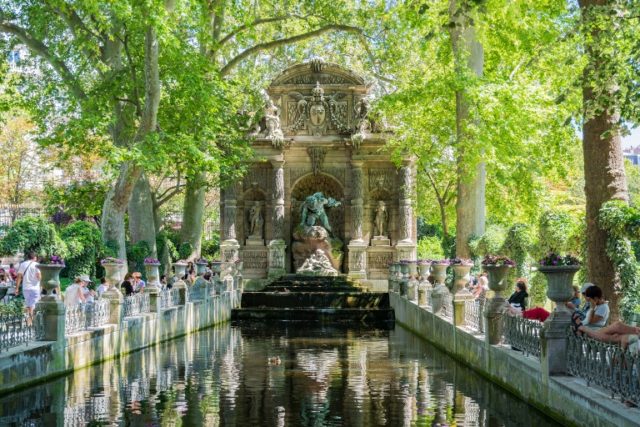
(459, 306)
(53, 317)
(276, 258)
(254, 241)
(495, 307)
(380, 241)
(181, 286)
(357, 260)
(405, 251)
(116, 299)
(154, 298)
(553, 340)
(229, 251)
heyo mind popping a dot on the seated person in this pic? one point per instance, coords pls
(598, 313)
(520, 297)
(574, 303)
(580, 312)
(74, 294)
(617, 333)
(104, 286)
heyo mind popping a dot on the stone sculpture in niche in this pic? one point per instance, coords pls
(313, 210)
(318, 265)
(380, 221)
(362, 125)
(256, 222)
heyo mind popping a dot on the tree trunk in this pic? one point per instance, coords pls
(193, 213)
(603, 164)
(470, 204)
(142, 225)
(115, 206)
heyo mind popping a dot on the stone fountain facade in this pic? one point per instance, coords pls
(316, 137)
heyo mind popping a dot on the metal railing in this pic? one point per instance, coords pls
(75, 319)
(169, 298)
(605, 365)
(473, 315)
(136, 304)
(16, 329)
(523, 334)
(97, 313)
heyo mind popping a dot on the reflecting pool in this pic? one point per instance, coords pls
(252, 375)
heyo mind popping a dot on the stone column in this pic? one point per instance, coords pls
(277, 244)
(229, 248)
(357, 246)
(406, 246)
(53, 316)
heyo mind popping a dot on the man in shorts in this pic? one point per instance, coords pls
(29, 279)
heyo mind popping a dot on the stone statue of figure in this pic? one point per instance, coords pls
(381, 219)
(313, 210)
(255, 221)
(318, 264)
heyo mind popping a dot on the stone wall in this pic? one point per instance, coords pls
(39, 361)
(565, 398)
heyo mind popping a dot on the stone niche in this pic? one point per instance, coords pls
(316, 136)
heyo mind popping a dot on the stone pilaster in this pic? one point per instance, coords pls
(357, 247)
(406, 246)
(229, 248)
(277, 245)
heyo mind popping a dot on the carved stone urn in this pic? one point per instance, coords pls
(495, 307)
(461, 277)
(559, 284)
(200, 267)
(113, 273)
(179, 269)
(423, 269)
(153, 274)
(50, 279)
(216, 267)
(497, 276)
(440, 293)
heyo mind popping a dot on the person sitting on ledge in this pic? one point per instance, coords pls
(598, 313)
(519, 298)
(626, 336)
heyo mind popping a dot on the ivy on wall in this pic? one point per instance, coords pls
(622, 224)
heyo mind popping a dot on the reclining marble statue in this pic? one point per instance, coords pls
(318, 265)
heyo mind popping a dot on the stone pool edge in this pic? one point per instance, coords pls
(565, 399)
(41, 361)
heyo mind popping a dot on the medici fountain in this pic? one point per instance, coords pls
(321, 196)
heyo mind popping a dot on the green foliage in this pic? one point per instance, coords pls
(80, 200)
(136, 254)
(185, 250)
(538, 289)
(33, 234)
(491, 242)
(211, 248)
(430, 247)
(516, 246)
(554, 231)
(84, 242)
(622, 223)
(13, 308)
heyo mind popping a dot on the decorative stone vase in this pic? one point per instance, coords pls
(200, 267)
(497, 276)
(179, 268)
(423, 268)
(559, 284)
(113, 273)
(216, 267)
(50, 279)
(413, 268)
(439, 272)
(461, 277)
(153, 273)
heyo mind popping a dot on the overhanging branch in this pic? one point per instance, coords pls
(288, 40)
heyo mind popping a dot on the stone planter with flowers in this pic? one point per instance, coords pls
(497, 268)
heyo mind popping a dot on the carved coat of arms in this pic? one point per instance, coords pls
(313, 110)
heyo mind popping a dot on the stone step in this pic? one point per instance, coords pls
(380, 317)
(315, 300)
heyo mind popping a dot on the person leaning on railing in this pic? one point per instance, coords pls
(520, 297)
(74, 295)
(598, 313)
